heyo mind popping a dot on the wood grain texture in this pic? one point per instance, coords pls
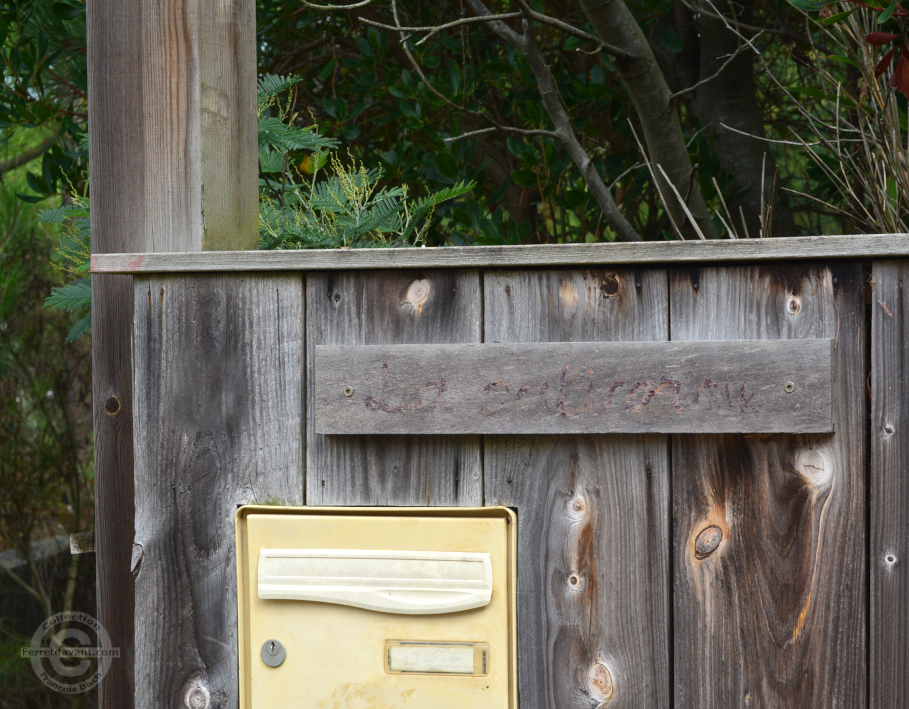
(603, 254)
(112, 398)
(218, 420)
(381, 308)
(576, 387)
(172, 100)
(593, 511)
(889, 486)
(172, 119)
(769, 531)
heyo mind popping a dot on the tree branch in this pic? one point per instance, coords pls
(552, 102)
(27, 155)
(434, 30)
(729, 60)
(646, 85)
(504, 129)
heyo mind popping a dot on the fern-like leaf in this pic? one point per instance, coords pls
(79, 329)
(72, 296)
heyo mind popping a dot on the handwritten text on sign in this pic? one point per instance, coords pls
(705, 387)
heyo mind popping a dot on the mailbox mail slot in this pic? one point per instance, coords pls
(365, 607)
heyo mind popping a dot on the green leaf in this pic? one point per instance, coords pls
(807, 5)
(524, 178)
(886, 14)
(273, 84)
(845, 60)
(79, 329)
(71, 296)
(670, 38)
(839, 17)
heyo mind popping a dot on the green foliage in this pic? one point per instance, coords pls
(348, 208)
(73, 257)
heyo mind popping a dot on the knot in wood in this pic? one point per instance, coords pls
(707, 541)
(577, 508)
(196, 697)
(793, 306)
(417, 294)
(610, 286)
(112, 406)
(600, 683)
(814, 467)
(575, 582)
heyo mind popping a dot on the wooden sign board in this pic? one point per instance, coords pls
(775, 386)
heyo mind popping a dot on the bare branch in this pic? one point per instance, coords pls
(766, 140)
(504, 129)
(500, 28)
(532, 14)
(682, 202)
(725, 209)
(27, 155)
(719, 71)
(364, 3)
(656, 182)
(434, 30)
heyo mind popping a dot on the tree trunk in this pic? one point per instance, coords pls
(731, 99)
(650, 93)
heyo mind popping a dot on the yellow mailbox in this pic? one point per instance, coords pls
(362, 608)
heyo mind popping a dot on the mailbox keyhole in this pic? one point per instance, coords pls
(273, 653)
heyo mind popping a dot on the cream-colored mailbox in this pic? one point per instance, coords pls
(358, 608)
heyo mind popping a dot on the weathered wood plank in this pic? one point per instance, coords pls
(218, 412)
(112, 424)
(580, 387)
(172, 107)
(657, 252)
(174, 159)
(383, 308)
(593, 511)
(889, 486)
(769, 531)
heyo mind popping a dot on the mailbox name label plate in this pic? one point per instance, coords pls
(437, 658)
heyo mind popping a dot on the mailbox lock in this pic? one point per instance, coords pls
(273, 653)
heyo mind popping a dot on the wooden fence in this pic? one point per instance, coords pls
(704, 547)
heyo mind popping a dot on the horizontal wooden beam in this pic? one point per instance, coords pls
(605, 254)
(776, 386)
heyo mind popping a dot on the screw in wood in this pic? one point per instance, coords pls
(348, 391)
(707, 541)
(789, 387)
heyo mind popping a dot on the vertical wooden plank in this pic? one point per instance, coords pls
(593, 511)
(173, 168)
(392, 307)
(889, 486)
(769, 531)
(218, 412)
(172, 101)
(112, 419)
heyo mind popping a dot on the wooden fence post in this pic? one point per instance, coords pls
(172, 92)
